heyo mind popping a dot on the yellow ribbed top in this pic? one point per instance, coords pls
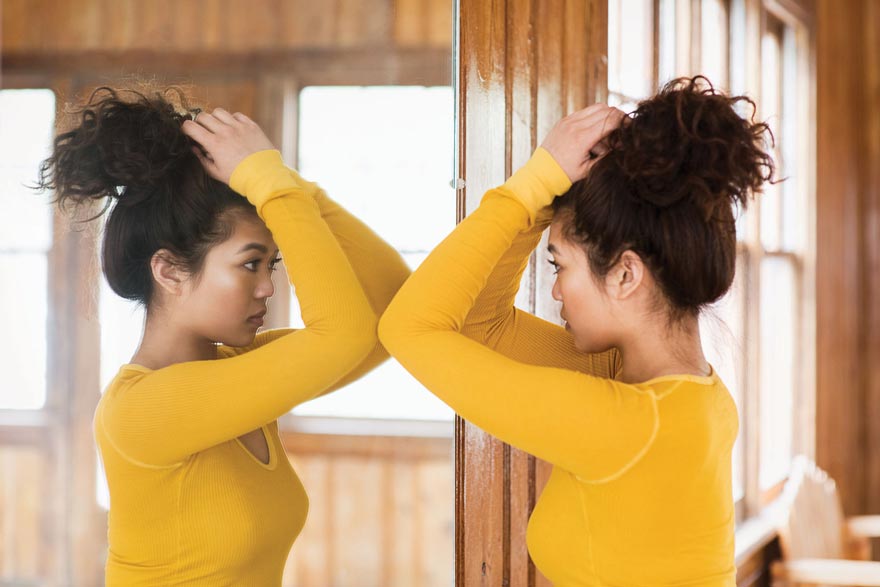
(640, 492)
(190, 505)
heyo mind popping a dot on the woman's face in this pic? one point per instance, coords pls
(226, 301)
(586, 308)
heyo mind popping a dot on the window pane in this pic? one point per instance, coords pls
(630, 47)
(397, 180)
(771, 200)
(714, 42)
(778, 339)
(791, 140)
(738, 49)
(667, 41)
(27, 119)
(24, 300)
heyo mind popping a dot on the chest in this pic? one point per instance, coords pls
(242, 499)
(558, 535)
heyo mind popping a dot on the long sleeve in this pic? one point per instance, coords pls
(165, 415)
(379, 268)
(495, 322)
(592, 426)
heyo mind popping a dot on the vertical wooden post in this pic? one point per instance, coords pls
(523, 64)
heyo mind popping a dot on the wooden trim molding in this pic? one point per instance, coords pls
(522, 65)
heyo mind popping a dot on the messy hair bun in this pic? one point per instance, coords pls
(667, 189)
(128, 149)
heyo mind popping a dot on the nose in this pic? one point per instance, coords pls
(556, 292)
(265, 288)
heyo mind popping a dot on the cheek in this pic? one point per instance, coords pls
(222, 288)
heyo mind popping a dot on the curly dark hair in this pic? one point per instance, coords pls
(127, 148)
(667, 190)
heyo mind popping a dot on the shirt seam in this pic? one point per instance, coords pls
(638, 456)
(122, 454)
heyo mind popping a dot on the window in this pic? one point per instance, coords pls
(396, 178)
(630, 52)
(756, 336)
(27, 118)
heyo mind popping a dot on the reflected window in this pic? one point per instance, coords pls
(630, 52)
(27, 119)
(396, 178)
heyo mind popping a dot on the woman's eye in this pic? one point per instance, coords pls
(273, 264)
(554, 265)
(252, 265)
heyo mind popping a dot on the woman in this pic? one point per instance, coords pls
(621, 401)
(201, 490)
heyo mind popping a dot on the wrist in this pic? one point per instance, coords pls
(537, 183)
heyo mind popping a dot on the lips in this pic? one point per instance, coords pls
(257, 318)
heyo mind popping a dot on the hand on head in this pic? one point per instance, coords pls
(226, 140)
(577, 141)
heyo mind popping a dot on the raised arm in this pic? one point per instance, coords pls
(495, 322)
(557, 414)
(165, 415)
(379, 268)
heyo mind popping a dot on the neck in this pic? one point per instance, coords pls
(679, 353)
(164, 343)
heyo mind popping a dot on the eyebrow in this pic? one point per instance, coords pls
(552, 249)
(252, 246)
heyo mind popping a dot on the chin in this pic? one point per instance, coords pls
(239, 339)
(591, 346)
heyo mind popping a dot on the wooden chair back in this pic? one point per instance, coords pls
(815, 524)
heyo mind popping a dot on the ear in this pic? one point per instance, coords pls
(168, 272)
(628, 274)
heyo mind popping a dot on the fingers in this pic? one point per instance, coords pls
(219, 119)
(196, 131)
(242, 118)
(223, 116)
(588, 111)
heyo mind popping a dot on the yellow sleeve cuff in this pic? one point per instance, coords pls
(538, 182)
(263, 176)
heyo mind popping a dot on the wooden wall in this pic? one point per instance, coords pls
(221, 26)
(380, 511)
(523, 65)
(848, 250)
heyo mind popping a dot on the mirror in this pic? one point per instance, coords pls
(358, 97)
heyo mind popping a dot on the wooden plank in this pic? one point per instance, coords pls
(480, 475)
(549, 68)
(51, 27)
(386, 447)
(430, 66)
(871, 154)
(435, 531)
(840, 255)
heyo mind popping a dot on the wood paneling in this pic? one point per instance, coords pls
(871, 246)
(523, 65)
(222, 26)
(380, 511)
(25, 488)
(848, 241)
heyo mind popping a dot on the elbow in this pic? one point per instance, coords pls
(363, 335)
(353, 335)
(389, 330)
